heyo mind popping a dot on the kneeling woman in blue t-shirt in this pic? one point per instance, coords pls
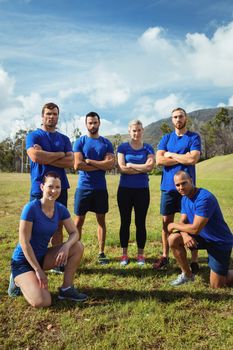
(39, 221)
(135, 160)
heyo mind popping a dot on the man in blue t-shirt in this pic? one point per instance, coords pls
(49, 150)
(201, 226)
(93, 155)
(178, 150)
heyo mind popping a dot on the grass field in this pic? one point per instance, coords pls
(130, 308)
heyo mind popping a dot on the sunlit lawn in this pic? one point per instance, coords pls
(130, 308)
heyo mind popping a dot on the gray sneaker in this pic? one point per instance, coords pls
(72, 294)
(13, 290)
(181, 279)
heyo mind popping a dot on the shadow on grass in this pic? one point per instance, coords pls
(103, 296)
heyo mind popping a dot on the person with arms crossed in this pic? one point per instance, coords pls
(135, 160)
(49, 150)
(39, 220)
(201, 226)
(178, 150)
(93, 156)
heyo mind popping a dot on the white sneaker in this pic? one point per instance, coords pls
(181, 279)
(124, 260)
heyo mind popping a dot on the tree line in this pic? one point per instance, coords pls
(216, 135)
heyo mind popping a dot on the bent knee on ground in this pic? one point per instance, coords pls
(40, 300)
(217, 281)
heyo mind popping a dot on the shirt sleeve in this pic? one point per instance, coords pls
(183, 209)
(109, 147)
(205, 207)
(121, 148)
(31, 140)
(28, 212)
(162, 146)
(63, 211)
(78, 147)
(150, 149)
(196, 143)
(68, 146)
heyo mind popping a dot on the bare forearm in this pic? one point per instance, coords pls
(84, 166)
(44, 157)
(188, 228)
(125, 170)
(165, 161)
(106, 164)
(186, 159)
(72, 239)
(143, 168)
(65, 162)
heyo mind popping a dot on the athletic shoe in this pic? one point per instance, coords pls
(124, 260)
(161, 263)
(102, 259)
(58, 270)
(194, 267)
(72, 294)
(13, 290)
(181, 279)
(140, 260)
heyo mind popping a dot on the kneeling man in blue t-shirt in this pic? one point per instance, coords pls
(201, 226)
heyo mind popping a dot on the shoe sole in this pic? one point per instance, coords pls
(73, 299)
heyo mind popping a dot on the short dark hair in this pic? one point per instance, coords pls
(184, 174)
(50, 174)
(180, 109)
(92, 115)
(49, 105)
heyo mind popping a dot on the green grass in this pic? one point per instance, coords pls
(131, 308)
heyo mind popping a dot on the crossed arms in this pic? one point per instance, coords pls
(92, 165)
(57, 159)
(186, 228)
(169, 158)
(131, 168)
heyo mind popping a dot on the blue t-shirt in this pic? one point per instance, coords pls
(190, 141)
(50, 142)
(43, 227)
(204, 204)
(138, 156)
(95, 149)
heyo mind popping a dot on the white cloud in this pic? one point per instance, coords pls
(230, 101)
(6, 87)
(152, 41)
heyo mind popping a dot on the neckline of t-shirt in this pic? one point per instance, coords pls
(44, 213)
(138, 149)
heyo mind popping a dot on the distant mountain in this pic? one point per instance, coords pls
(153, 133)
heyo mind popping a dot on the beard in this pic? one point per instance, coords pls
(180, 125)
(93, 131)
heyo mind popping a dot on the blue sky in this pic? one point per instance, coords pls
(124, 59)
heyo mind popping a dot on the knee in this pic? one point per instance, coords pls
(77, 249)
(43, 301)
(173, 240)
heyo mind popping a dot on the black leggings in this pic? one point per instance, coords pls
(127, 199)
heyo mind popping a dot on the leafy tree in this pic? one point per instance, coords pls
(7, 155)
(165, 128)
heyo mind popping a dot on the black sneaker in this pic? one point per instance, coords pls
(72, 294)
(58, 270)
(194, 267)
(13, 290)
(102, 259)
